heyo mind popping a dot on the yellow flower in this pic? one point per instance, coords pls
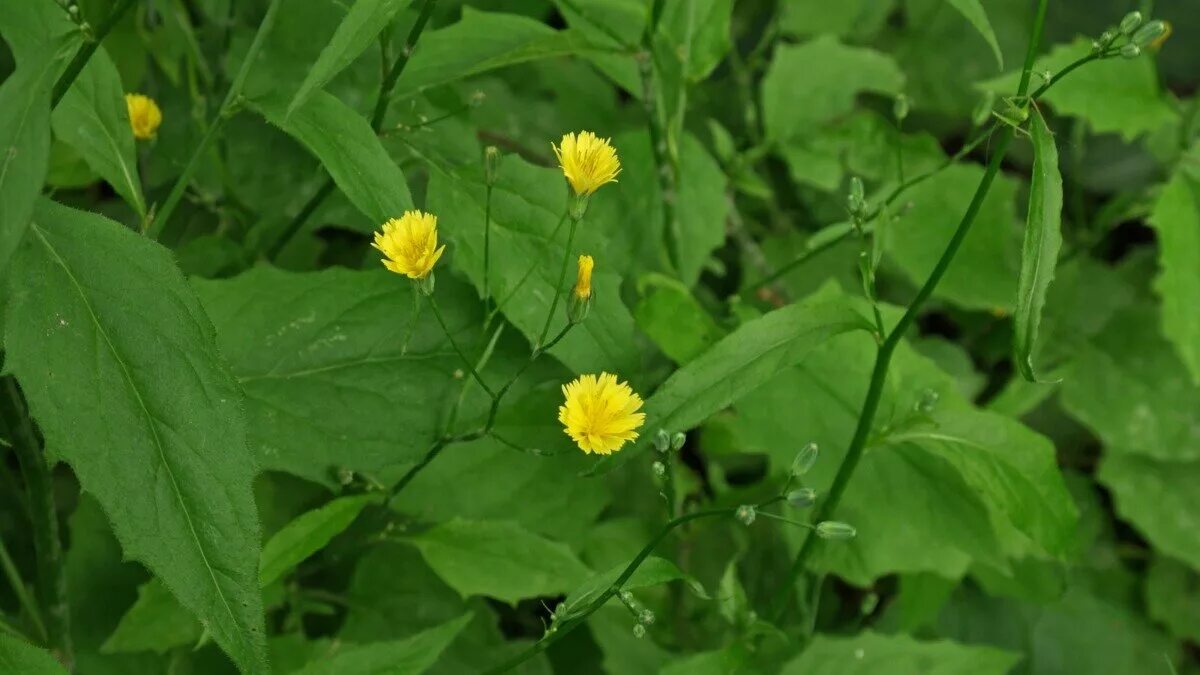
(600, 414)
(410, 243)
(1158, 41)
(587, 161)
(583, 282)
(144, 116)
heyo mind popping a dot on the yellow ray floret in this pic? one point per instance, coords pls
(144, 116)
(600, 414)
(587, 161)
(410, 243)
(583, 282)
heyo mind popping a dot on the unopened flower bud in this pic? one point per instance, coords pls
(1130, 23)
(900, 107)
(491, 164)
(805, 459)
(1106, 38)
(425, 284)
(835, 531)
(639, 631)
(659, 469)
(928, 401)
(646, 617)
(1149, 33)
(745, 514)
(678, 440)
(1131, 51)
(662, 441)
(802, 498)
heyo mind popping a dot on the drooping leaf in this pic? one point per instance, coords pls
(306, 535)
(357, 31)
(870, 652)
(1176, 221)
(499, 560)
(348, 148)
(410, 656)
(137, 374)
(322, 359)
(974, 13)
(92, 118)
(18, 656)
(1043, 239)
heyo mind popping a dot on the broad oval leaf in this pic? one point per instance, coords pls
(120, 366)
(1043, 238)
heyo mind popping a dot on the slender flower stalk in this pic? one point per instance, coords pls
(86, 50)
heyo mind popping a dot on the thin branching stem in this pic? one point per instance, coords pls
(437, 312)
(89, 47)
(558, 287)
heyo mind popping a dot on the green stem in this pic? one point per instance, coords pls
(158, 227)
(85, 52)
(437, 312)
(487, 248)
(386, 86)
(51, 582)
(22, 593)
(884, 355)
(664, 165)
(562, 278)
(528, 273)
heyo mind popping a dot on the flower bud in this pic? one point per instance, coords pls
(678, 440)
(805, 459)
(662, 441)
(802, 498)
(928, 401)
(856, 201)
(639, 631)
(1149, 33)
(577, 206)
(835, 531)
(646, 617)
(1130, 23)
(659, 469)
(900, 107)
(1131, 51)
(491, 164)
(745, 514)
(1106, 38)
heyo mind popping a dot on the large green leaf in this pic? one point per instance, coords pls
(849, 18)
(410, 656)
(362, 24)
(974, 13)
(698, 31)
(1173, 597)
(499, 559)
(307, 534)
(1042, 242)
(156, 622)
(1160, 499)
(868, 653)
(18, 656)
(322, 359)
(348, 148)
(527, 248)
(92, 117)
(798, 97)
(141, 405)
(1176, 221)
(672, 317)
(24, 150)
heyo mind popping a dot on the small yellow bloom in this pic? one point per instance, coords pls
(144, 116)
(587, 161)
(583, 282)
(1158, 41)
(410, 243)
(600, 414)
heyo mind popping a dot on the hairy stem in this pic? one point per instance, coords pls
(884, 355)
(86, 50)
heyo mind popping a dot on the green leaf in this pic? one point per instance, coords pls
(1176, 221)
(410, 656)
(93, 118)
(698, 31)
(1114, 95)
(859, 19)
(974, 13)
(527, 248)
(322, 360)
(18, 656)
(669, 314)
(984, 273)
(739, 364)
(306, 535)
(1131, 389)
(362, 24)
(1173, 597)
(499, 560)
(870, 652)
(102, 585)
(165, 450)
(1043, 239)
(24, 150)
(349, 149)
(156, 622)
(797, 97)
(1159, 498)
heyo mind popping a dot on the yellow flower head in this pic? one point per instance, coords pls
(587, 161)
(583, 282)
(410, 243)
(600, 414)
(144, 116)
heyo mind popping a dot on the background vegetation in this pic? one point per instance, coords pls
(230, 442)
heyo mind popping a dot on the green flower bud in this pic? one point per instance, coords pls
(1149, 33)
(900, 107)
(802, 498)
(578, 308)
(835, 531)
(1131, 51)
(929, 400)
(805, 459)
(746, 514)
(1106, 38)
(678, 440)
(662, 441)
(491, 164)
(659, 469)
(425, 284)
(1130, 23)
(646, 617)
(639, 631)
